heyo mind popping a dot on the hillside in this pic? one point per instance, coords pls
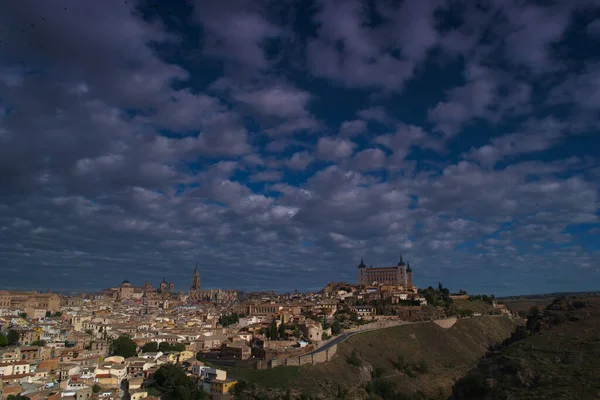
(462, 306)
(554, 356)
(406, 359)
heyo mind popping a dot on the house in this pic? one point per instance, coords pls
(238, 350)
(364, 311)
(138, 394)
(218, 386)
(14, 368)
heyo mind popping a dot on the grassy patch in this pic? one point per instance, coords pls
(278, 377)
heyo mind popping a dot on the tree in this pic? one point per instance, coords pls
(164, 347)
(282, 333)
(172, 379)
(40, 343)
(150, 347)
(48, 314)
(3, 340)
(336, 327)
(123, 346)
(13, 337)
(273, 330)
(178, 347)
(96, 388)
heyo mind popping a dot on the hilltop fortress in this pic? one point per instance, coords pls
(400, 275)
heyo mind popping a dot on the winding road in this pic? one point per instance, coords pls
(332, 342)
(340, 338)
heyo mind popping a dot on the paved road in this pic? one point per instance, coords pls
(333, 342)
(346, 335)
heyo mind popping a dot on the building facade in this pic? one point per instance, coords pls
(400, 275)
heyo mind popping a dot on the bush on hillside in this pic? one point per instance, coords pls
(354, 360)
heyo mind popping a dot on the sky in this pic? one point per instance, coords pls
(274, 143)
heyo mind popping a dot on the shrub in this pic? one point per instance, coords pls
(378, 372)
(354, 360)
(422, 367)
(384, 389)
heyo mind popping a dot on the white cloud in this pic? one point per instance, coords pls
(334, 149)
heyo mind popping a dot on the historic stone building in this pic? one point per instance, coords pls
(166, 287)
(46, 301)
(195, 286)
(211, 295)
(400, 275)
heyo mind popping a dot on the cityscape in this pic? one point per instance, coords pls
(299, 199)
(110, 344)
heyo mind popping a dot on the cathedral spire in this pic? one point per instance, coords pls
(195, 285)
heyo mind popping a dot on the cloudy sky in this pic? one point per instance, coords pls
(276, 142)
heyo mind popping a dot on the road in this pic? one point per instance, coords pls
(344, 336)
(332, 342)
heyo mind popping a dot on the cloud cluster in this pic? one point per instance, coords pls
(275, 147)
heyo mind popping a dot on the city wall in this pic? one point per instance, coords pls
(445, 322)
(308, 359)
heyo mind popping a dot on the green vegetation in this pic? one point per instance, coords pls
(150, 347)
(439, 297)
(229, 319)
(437, 356)
(410, 369)
(123, 346)
(278, 377)
(483, 297)
(273, 333)
(353, 359)
(3, 340)
(96, 388)
(336, 327)
(23, 315)
(166, 347)
(56, 314)
(171, 379)
(40, 343)
(552, 356)
(13, 337)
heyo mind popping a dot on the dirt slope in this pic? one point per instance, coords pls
(556, 357)
(390, 362)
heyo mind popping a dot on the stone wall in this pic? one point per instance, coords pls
(319, 357)
(446, 322)
(305, 360)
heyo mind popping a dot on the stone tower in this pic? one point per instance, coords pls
(195, 286)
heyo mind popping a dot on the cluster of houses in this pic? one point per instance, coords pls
(61, 345)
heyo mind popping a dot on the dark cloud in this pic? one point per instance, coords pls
(312, 146)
